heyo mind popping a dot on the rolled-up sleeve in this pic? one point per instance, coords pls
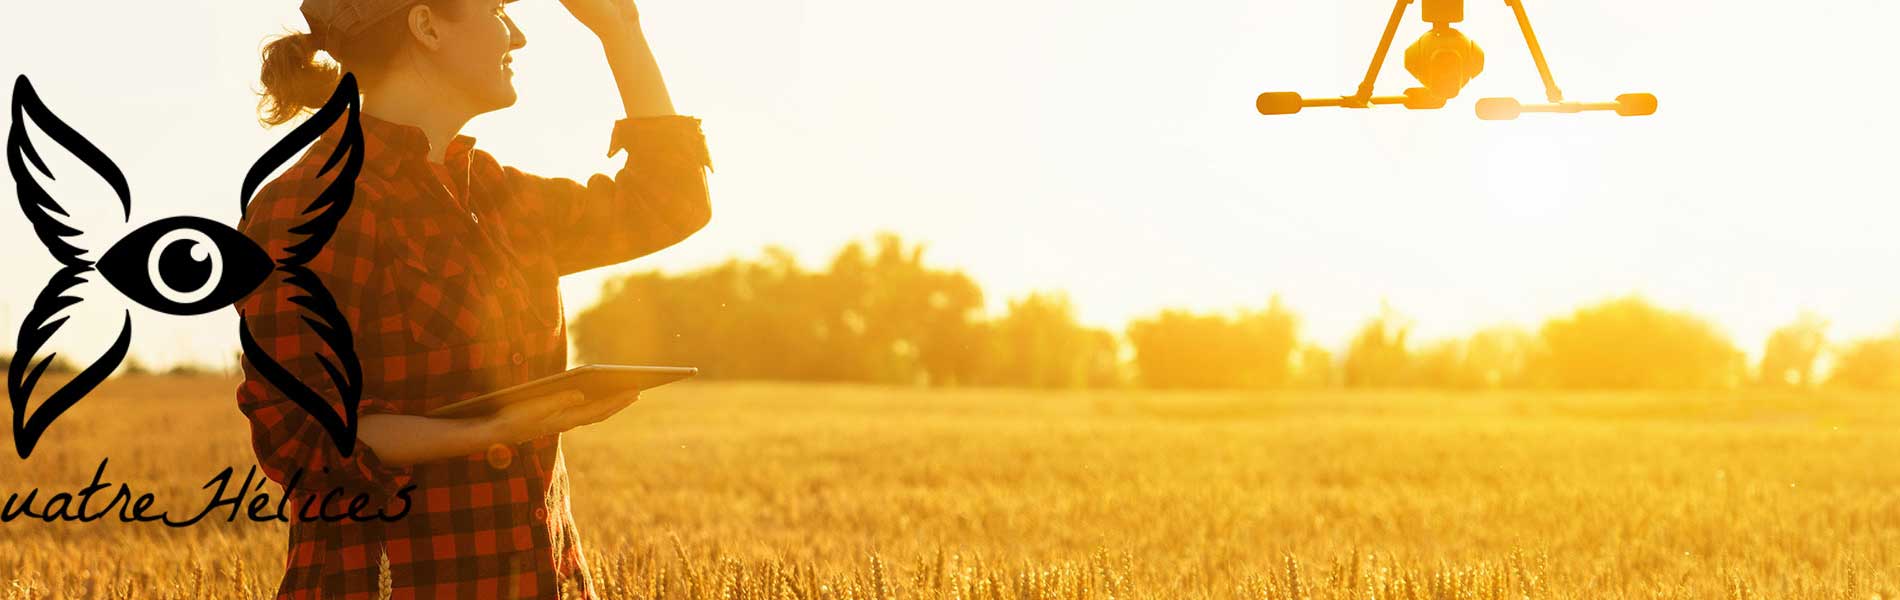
(284, 436)
(658, 198)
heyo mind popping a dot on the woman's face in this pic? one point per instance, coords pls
(473, 54)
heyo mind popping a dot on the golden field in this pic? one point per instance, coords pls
(778, 490)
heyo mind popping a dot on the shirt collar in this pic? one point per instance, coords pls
(387, 145)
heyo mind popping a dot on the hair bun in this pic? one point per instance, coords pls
(294, 80)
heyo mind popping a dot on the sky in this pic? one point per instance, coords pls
(1110, 149)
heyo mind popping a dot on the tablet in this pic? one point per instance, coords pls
(593, 380)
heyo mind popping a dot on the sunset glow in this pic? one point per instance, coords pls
(1111, 150)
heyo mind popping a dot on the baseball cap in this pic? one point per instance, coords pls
(338, 19)
(342, 19)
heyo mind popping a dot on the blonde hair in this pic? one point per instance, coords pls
(296, 81)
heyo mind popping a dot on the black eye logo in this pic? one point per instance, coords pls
(183, 266)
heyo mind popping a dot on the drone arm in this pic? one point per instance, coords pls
(1286, 103)
(1537, 52)
(1353, 102)
(1505, 109)
(1378, 57)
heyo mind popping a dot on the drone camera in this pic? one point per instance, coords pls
(1444, 60)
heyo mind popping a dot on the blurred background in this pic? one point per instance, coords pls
(1069, 194)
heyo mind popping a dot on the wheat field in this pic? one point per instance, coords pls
(779, 490)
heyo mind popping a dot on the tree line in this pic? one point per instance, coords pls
(877, 313)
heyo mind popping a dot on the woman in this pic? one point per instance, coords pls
(446, 267)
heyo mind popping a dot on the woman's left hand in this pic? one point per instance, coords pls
(609, 19)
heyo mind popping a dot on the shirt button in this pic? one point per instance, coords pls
(540, 514)
(472, 217)
(500, 456)
(501, 282)
(517, 358)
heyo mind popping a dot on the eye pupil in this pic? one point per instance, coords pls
(185, 264)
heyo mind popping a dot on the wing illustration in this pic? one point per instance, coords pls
(31, 360)
(343, 165)
(310, 306)
(28, 168)
(298, 308)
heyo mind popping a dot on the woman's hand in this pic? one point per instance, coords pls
(554, 413)
(401, 440)
(611, 20)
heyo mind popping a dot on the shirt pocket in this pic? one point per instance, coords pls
(443, 301)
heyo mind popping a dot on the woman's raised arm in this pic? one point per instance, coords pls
(659, 197)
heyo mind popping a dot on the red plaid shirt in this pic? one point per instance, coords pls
(449, 295)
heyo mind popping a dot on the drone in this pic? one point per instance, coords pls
(1444, 60)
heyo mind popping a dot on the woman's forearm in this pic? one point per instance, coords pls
(636, 73)
(401, 440)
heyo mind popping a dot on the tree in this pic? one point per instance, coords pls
(1789, 355)
(1871, 363)
(901, 321)
(737, 319)
(1499, 356)
(188, 369)
(1313, 368)
(1377, 356)
(878, 316)
(59, 365)
(1039, 344)
(1630, 343)
(1441, 364)
(1181, 349)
